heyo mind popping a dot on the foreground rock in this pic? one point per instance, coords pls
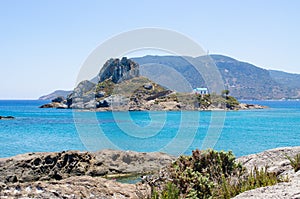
(74, 174)
(277, 161)
(57, 166)
(74, 187)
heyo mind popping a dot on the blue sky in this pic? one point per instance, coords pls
(44, 43)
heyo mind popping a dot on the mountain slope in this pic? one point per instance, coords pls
(289, 79)
(244, 80)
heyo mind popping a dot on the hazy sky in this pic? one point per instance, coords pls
(44, 43)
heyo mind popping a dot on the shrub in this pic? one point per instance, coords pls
(170, 191)
(212, 174)
(295, 162)
(199, 174)
(257, 178)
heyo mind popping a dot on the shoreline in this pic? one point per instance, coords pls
(38, 174)
(241, 106)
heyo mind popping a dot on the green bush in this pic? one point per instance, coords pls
(295, 162)
(257, 178)
(211, 174)
(231, 102)
(170, 191)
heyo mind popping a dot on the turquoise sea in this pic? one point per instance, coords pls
(243, 132)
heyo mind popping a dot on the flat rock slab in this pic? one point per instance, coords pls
(32, 167)
(75, 187)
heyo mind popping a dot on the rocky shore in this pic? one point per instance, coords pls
(74, 174)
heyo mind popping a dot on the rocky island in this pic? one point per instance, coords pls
(120, 87)
(74, 174)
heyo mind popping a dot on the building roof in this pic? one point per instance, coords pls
(200, 89)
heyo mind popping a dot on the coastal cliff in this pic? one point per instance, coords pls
(120, 87)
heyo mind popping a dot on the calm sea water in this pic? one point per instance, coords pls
(243, 132)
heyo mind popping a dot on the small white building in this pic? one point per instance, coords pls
(200, 91)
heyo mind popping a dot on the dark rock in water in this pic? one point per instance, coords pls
(7, 117)
(54, 105)
(46, 106)
(119, 70)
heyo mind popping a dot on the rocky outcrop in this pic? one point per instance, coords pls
(119, 70)
(7, 117)
(276, 160)
(75, 188)
(286, 190)
(244, 106)
(58, 102)
(74, 174)
(56, 166)
(83, 96)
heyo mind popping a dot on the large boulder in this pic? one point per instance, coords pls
(277, 161)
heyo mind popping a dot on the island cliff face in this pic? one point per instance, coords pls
(119, 70)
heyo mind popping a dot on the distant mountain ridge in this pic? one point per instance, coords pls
(244, 80)
(55, 94)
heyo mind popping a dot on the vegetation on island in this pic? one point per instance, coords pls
(211, 174)
(220, 101)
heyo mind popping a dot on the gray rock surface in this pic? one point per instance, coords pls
(119, 70)
(277, 162)
(74, 187)
(61, 165)
(74, 174)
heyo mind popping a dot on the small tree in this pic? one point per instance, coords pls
(225, 93)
